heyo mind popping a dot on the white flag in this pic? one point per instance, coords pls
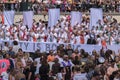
(76, 18)
(9, 17)
(54, 16)
(28, 18)
(95, 15)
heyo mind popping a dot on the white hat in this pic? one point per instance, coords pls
(101, 59)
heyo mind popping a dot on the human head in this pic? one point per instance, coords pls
(15, 43)
(6, 43)
(66, 58)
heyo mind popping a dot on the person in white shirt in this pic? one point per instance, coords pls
(1, 34)
(72, 39)
(86, 37)
(6, 46)
(98, 40)
(77, 39)
(42, 36)
(38, 59)
(67, 62)
(7, 36)
(15, 47)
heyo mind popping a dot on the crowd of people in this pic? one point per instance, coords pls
(39, 6)
(65, 64)
(105, 33)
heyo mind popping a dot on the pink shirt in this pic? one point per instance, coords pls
(4, 65)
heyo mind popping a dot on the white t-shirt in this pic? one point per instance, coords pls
(37, 69)
(15, 48)
(86, 38)
(42, 37)
(55, 37)
(50, 64)
(112, 41)
(38, 65)
(37, 60)
(6, 48)
(77, 39)
(99, 41)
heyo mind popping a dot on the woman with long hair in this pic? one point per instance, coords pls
(44, 69)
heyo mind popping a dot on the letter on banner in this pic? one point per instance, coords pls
(54, 15)
(28, 18)
(76, 18)
(96, 14)
(9, 17)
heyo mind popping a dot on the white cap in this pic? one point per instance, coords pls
(101, 59)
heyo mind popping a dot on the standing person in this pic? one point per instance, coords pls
(55, 67)
(27, 70)
(76, 61)
(32, 71)
(8, 57)
(10, 51)
(75, 53)
(20, 55)
(12, 74)
(67, 65)
(82, 40)
(20, 76)
(44, 69)
(4, 63)
(15, 47)
(6, 46)
(69, 50)
(98, 40)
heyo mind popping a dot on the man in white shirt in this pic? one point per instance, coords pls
(6, 48)
(16, 47)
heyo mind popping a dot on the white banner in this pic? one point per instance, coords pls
(53, 17)
(28, 18)
(9, 17)
(45, 47)
(96, 14)
(76, 18)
